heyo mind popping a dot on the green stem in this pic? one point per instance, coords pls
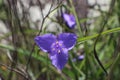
(95, 35)
(76, 17)
(76, 69)
(115, 63)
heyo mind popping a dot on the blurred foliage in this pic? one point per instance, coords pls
(21, 59)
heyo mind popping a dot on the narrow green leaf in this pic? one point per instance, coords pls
(95, 35)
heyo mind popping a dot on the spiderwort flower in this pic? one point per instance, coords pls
(70, 20)
(79, 58)
(57, 47)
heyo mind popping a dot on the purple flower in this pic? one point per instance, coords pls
(70, 20)
(79, 58)
(57, 47)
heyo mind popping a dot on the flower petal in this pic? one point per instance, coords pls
(70, 20)
(60, 59)
(69, 39)
(81, 57)
(45, 41)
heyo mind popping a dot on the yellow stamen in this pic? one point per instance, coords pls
(58, 51)
(63, 48)
(60, 44)
(57, 42)
(53, 49)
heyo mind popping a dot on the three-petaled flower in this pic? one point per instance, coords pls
(57, 47)
(70, 20)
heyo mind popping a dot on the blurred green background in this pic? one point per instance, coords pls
(98, 31)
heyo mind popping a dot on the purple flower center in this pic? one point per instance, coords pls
(57, 47)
